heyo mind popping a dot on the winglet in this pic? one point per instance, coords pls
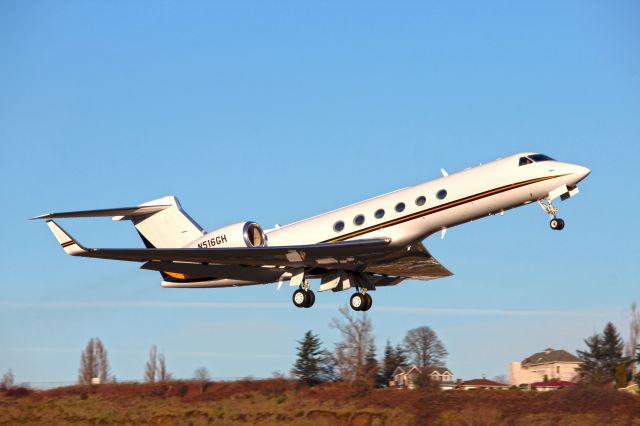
(67, 242)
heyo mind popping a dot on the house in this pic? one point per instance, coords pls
(553, 384)
(550, 364)
(408, 377)
(480, 384)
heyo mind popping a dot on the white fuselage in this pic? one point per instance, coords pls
(470, 194)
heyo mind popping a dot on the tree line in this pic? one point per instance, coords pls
(354, 359)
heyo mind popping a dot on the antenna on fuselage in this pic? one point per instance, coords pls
(444, 172)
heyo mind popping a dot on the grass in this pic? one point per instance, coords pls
(281, 402)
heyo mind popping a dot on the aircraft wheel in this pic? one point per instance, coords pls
(300, 298)
(368, 302)
(556, 224)
(311, 299)
(357, 302)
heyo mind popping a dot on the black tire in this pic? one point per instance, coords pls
(369, 302)
(357, 301)
(560, 224)
(555, 224)
(311, 298)
(300, 298)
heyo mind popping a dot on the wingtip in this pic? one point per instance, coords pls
(68, 243)
(42, 216)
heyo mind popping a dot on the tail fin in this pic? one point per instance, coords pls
(161, 223)
(169, 227)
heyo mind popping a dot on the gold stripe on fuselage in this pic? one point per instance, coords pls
(440, 208)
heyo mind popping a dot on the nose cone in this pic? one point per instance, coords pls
(580, 172)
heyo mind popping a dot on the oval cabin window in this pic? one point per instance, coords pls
(358, 220)
(379, 214)
(338, 226)
(441, 194)
(400, 207)
(421, 200)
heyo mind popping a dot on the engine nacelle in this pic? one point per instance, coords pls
(243, 234)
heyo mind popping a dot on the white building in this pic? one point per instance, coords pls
(408, 377)
(551, 364)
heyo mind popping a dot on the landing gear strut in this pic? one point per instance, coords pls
(556, 223)
(303, 297)
(361, 301)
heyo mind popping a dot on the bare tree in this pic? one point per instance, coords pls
(88, 367)
(163, 374)
(351, 352)
(94, 363)
(103, 371)
(425, 347)
(634, 335)
(201, 374)
(7, 381)
(151, 367)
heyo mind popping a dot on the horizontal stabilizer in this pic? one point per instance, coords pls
(122, 211)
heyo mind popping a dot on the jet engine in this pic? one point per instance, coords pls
(243, 234)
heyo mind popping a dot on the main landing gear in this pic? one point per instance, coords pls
(555, 223)
(304, 297)
(361, 301)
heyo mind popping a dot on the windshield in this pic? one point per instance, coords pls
(540, 157)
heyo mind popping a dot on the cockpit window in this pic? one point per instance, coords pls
(524, 161)
(540, 157)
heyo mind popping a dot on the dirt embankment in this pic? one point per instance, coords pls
(280, 402)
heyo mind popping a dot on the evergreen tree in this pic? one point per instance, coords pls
(612, 349)
(603, 357)
(388, 364)
(401, 358)
(591, 370)
(327, 367)
(308, 365)
(371, 366)
(393, 358)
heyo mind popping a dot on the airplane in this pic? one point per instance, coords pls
(370, 244)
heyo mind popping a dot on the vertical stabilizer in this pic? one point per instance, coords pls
(170, 227)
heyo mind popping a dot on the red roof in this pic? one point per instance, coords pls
(554, 383)
(483, 382)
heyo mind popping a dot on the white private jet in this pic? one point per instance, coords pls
(372, 243)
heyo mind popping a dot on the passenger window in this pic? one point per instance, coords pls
(524, 161)
(358, 220)
(400, 207)
(421, 200)
(379, 214)
(338, 226)
(441, 194)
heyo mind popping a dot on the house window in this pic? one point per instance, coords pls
(558, 369)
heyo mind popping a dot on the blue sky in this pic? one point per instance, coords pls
(276, 111)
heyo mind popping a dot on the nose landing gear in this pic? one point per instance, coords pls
(556, 223)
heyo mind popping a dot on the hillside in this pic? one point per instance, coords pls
(280, 402)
